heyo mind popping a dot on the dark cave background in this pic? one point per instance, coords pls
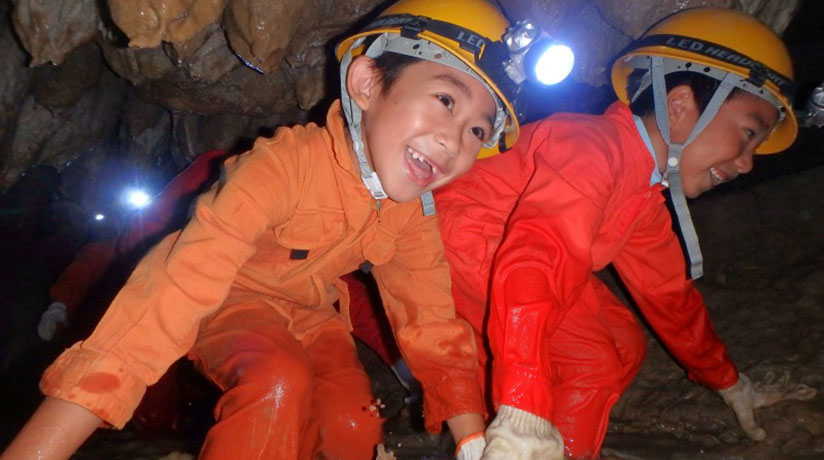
(83, 114)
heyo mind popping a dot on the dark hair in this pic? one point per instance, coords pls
(390, 65)
(703, 87)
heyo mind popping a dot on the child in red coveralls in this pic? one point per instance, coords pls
(700, 93)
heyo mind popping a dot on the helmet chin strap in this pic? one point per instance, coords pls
(672, 176)
(354, 115)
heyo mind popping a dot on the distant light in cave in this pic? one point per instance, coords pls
(99, 217)
(137, 198)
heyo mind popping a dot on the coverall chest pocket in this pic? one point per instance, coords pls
(378, 245)
(311, 228)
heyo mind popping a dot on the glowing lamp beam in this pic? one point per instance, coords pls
(554, 64)
(137, 198)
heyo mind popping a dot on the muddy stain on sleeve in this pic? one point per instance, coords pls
(100, 382)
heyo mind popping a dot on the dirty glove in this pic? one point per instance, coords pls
(744, 397)
(471, 447)
(53, 318)
(516, 433)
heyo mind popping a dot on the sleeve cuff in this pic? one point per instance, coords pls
(98, 382)
(449, 399)
(521, 388)
(720, 378)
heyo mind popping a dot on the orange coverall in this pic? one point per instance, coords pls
(532, 225)
(247, 289)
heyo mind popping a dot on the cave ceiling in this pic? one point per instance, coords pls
(159, 81)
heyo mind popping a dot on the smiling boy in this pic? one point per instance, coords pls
(525, 231)
(246, 290)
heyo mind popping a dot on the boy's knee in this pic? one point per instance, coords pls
(273, 371)
(257, 374)
(633, 356)
(350, 426)
(609, 374)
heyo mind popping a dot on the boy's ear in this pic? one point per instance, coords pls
(362, 81)
(682, 111)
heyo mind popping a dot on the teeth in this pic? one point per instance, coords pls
(420, 158)
(715, 177)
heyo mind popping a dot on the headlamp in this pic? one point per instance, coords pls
(533, 55)
(137, 198)
(99, 216)
(813, 113)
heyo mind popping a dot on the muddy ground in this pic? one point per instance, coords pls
(764, 252)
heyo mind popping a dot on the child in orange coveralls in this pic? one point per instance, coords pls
(700, 93)
(247, 288)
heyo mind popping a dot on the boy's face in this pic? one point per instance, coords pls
(426, 130)
(725, 147)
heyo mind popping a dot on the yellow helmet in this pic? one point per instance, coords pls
(720, 40)
(469, 30)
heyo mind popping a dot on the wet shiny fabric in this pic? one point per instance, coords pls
(595, 354)
(284, 398)
(524, 231)
(285, 222)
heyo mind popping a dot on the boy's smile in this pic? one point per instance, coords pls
(421, 167)
(725, 147)
(426, 130)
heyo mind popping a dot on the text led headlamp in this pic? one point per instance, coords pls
(535, 56)
(813, 113)
(525, 52)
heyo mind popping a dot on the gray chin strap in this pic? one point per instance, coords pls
(422, 49)
(672, 175)
(353, 116)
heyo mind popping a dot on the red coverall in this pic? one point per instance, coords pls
(247, 289)
(532, 225)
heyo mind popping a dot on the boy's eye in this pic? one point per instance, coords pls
(480, 133)
(445, 100)
(750, 134)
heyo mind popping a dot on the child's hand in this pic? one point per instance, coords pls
(744, 397)
(471, 447)
(53, 319)
(516, 433)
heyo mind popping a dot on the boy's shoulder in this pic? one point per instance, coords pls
(302, 146)
(585, 137)
(288, 138)
(602, 129)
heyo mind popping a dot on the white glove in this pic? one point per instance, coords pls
(53, 318)
(744, 397)
(471, 447)
(516, 433)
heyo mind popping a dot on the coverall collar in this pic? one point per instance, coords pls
(336, 127)
(656, 177)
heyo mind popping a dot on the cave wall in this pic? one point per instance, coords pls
(149, 84)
